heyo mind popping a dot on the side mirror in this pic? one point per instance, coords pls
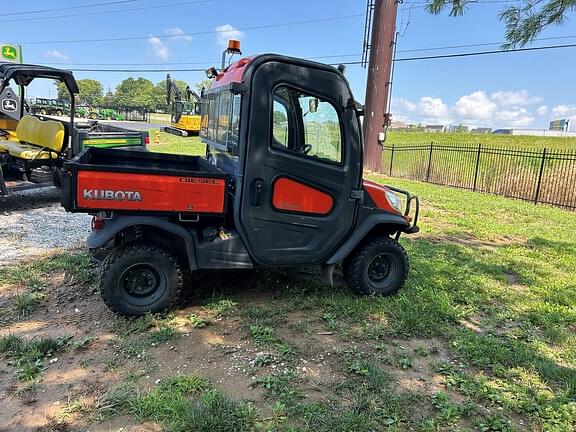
(313, 105)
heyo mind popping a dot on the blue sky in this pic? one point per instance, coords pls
(515, 89)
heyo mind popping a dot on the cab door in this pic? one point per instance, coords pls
(302, 163)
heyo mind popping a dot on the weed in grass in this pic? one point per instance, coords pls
(83, 343)
(403, 361)
(282, 387)
(28, 355)
(220, 306)
(27, 302)
(496, 423)
(448, 411)
(124, 327)
(163, 334)
(29, 369)
(263, 359)
(197, 322)
(263, 335)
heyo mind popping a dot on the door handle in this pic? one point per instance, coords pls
(257, 192)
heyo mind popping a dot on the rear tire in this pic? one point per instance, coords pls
(139, 278)
(379, 266)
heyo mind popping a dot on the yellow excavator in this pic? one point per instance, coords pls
(184, 110)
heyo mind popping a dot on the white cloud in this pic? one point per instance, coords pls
(427, 109)
(54, 53)
(433, 108)
(158, 48)
(178, 34)
(515, 98)
(564, 111)
(475, 107)
(542, 110)
(226, 32)
(516, 117)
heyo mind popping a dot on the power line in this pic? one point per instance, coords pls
(38, 11)
(472, 54)
(258, 27)
(479, 44)
(106, 12)
(457, 55)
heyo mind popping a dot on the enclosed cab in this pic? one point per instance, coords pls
(285, 134)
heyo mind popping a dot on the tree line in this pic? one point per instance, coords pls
(139, 92)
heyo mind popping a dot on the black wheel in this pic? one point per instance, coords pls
(379, 266)
(43, 111)
(139, 278)
(59, 113)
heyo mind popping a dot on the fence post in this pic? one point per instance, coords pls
(477, 167)
(539, 183)
(429, 162)
(391, 160)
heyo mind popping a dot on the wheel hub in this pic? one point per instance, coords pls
(379, 268)
(141, 281)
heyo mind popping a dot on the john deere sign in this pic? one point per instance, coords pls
(11, 53)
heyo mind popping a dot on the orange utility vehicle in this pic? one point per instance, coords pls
(280, 185)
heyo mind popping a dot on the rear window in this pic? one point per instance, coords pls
(221, 119)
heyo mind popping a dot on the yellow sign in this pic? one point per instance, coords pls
(10, 53)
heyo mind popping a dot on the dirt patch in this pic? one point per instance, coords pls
(469, 240)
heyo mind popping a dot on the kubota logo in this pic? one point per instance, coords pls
(110, 195)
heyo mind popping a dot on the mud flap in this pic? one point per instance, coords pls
(327, 272)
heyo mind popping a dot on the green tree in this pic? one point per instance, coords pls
(524, 20)
(204, 84)
(135, 92)
(91, 91)
(160, 93)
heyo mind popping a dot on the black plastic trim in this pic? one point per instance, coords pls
(117, 224)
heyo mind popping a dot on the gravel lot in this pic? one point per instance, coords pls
(33, 224)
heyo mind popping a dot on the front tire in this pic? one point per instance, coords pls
(379, 266)
(139, 278)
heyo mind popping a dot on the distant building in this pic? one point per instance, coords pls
(434, 128)
(535, 132)
(459, 128)
(397, 125)
(481, 130)
(560, 125)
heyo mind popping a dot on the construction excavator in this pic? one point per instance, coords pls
(184, 110)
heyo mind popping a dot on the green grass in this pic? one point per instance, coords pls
(185, 403)
(32, 279)
(506, 141)
(28, 355)
(176, 145)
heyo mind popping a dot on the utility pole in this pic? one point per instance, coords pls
(377, 116)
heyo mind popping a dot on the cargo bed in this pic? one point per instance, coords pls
(126, 181)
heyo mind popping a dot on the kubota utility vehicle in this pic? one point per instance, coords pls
(280, 185)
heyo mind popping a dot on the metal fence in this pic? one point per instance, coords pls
(541, 176)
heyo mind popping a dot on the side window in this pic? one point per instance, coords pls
(280, 124)
(306, 125)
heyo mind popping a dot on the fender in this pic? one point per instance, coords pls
(362, 229)
(117, 224)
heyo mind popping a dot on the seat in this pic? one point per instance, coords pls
(37, 139)
(26, 151)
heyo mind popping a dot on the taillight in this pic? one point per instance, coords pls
(98, 223)
(147, 140)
